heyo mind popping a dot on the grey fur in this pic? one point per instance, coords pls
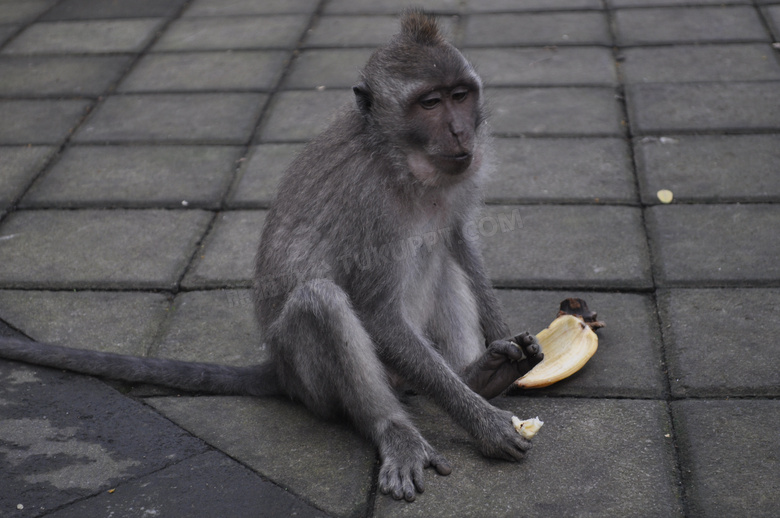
(366, 280)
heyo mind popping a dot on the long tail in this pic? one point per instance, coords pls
(256, 380)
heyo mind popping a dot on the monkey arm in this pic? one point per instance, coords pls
(468, 256)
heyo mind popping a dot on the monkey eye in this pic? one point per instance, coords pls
(430, 102)
(460, 94)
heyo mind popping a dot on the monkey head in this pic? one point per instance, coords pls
(422, 99)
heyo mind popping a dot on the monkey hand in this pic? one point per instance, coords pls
(500, 440)
(502, 363)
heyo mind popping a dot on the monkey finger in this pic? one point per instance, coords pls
(506, 349)
(440, 464)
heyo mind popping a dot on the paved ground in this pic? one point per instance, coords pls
(140, 146)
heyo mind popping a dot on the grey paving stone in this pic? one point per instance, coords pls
(223, 70)
(331, 68)
(580, 28)
(18, 167)
(261, 174)
(559, 111)
(690, 63)
(544, 66)
(351, 31)
(670, 3)
(6, 31)
(79, 438)
(53, 249)
(226, 257)
(23, 11)
(531, 5)
(39, 122)
(715, 245)
(217, 326)
(773, 14)
(572, 246)
(96, 9)
(718, 341)
(249, 7)
(722, 168)
(60, 75)
(388, 6)
(240, 32)
(561, 170)
(326, 464)
(301, 115)
(119, 322)
(727, 472)
(628, 362)
(666, 108)
(226, 118)
(94, 36)
(207, 485)
(688, 25)
(606, 458)
(136, 176)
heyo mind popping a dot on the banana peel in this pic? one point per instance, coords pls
(567, 343)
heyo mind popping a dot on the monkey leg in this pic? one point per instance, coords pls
(327, 360)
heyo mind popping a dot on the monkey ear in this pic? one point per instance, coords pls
(363, 97)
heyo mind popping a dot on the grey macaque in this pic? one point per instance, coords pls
(366, 280)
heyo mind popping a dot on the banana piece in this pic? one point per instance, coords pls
(567, 344)
(528, 427)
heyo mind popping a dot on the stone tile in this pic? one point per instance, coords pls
(249, 7)
(95, 36)
(326, 464)
(136, 176)
(332, 68)
(572, 246)
(259, 178)
(773, 14)
(388, 6)
(670, 3)
(715, 245)
(217, 326)
(351, 31)
(688, 25)
(23, 11)
(96, 9)
(18, 167)
(544, 66)
(532, 5)
(727, 472)
(720, 168)
(240, 32)
(226, 118)
(717, 341)
(628, 362)
(226, 257)
(666, 108)
(60, 75)
(301, 115)
(224, 70)
(120, 322)
(580, 28)
(561, 170)
(558, 111)
(39, 122)
(68, 437)
(591, 475)
(210, 484)
(684, 63)
(6, 31)
(142, 249)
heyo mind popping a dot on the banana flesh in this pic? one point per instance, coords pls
(528, 427)
(567, 344)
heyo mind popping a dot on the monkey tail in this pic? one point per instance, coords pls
(255, 380)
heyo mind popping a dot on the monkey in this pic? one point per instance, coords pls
(366, 281)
